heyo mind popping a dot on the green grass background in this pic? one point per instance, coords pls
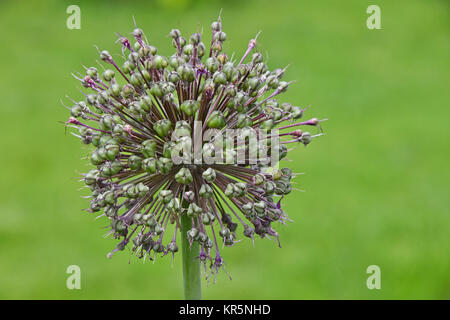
(377, 185)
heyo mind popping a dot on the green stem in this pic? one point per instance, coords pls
(191, 263)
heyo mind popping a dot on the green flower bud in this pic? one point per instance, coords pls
(184, 176)
(269, 187)
(243, 120)
(136, 79)
(133, 57)
(209, 175)
(283, 86)
(172, 247)
(182, 41)
(149, 221)
(145, 103)
(108, 75)
(195, 38)
(96, 159)
(212, 64)
(224, 232)
(188, 49)
(247, 208)
(106, 122)
(193, 210)
(146, 75)
(240, 189)
(110, 211)
(109, 197)
(105, 56)
(267, 125)
(167, 149)
(111, 151)
(230, 91)
(296, 112)
(257, 58)
(287, 173)
(174, 77)
(134, 162)
(76, 111)
(205, 219)
(272, 82)
(101, 153)
(182, 129)
(130, 191)
(92, 72)
(277, 174)
(128, 90)
(165, 196)
(174, 205)
(306, 138)
(161, 62)
(229, 191)
(216, 120)
(116, 167)
(175, 61)
(149, 165)
(144, 51)
(115, 90)
(282, 151)
(91, 177)
(259, 207)
(282, 187)
(220, 78)
(221, 36)
(162, 127)
(175, 33)
(202, 237)
(156, 90)
(127, 67)
(254, 83)
(192, 234)
(201, 49)
(186, 72)
(215, 26)
(164, 165)
(189, 196)
(142, 189)
(206, 191)
(190, 107)
(137, 33)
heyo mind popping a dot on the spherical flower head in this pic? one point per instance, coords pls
(195, 135)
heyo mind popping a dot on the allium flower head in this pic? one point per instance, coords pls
(190, 136)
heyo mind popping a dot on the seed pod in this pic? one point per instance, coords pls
(162, 127)
(306, 138)
(189, 107)
(216, 120)
(193, 210)
(164, 165)
(205, 191)
(184, 176)
(134, 162)
(149, 165)
(209, 175)
(165, 196)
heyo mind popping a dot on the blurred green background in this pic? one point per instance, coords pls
(377, 185)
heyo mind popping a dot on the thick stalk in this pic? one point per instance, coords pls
(191, 263)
